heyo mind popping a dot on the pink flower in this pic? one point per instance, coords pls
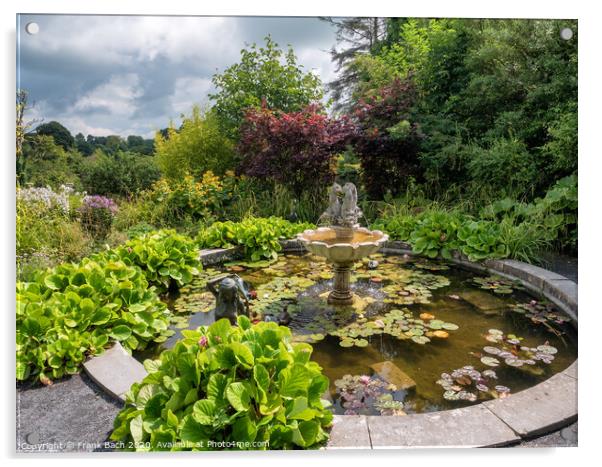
(364, 379)
(203, 341)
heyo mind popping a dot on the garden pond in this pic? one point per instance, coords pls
(422, 335)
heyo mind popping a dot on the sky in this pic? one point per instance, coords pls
(131, 75)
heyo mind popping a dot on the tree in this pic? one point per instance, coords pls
(48, 163)
(140, 145)
(355, 36)
(123, 173)
(295, 149)
(387, 138)
(264, 75)
(82, 145)
(199, 145)
(61, 135)
(21, 129)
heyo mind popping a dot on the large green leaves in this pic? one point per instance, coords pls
(72, 310)
(294, 380)
(163, 256)
(258, 237)
(239, 396)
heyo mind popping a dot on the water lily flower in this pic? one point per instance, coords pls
(364, 379)
(203, 341)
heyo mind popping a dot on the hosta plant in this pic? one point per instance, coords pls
(73, 310)
(243, 387)
(257, 237)
(435, 235)
(480, 240)
(164, 256)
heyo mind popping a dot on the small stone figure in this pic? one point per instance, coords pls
(342, 206)
(231, 297)
(350, 213)
(333, 213)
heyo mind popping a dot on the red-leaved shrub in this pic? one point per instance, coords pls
(295, 149)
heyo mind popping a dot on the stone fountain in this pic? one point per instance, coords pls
(343, 242)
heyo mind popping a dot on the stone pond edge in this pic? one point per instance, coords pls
(547, 406)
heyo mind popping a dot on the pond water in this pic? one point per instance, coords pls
(461, 337)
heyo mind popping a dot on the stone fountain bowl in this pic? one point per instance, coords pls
(342, 245)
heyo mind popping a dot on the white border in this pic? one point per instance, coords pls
(589, 208)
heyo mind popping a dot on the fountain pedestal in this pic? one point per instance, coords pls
(344, 242)
(341, 294)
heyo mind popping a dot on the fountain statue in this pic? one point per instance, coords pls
(343, 242)
(231, 297)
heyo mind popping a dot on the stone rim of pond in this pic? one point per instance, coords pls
(549, 405)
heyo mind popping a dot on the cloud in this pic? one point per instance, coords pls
(115, 97)
(132, 74)
(189, 90)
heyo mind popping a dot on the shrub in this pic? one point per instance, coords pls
(506, 165)
(122, 174)
(45, 233)
(71, 311)
(258, 237)
(295, 149)
(554, 216)
(199, 145)
(96, 215)
(171, 202)
(164, 257)
(387, 138)
(228, 384)
(46, 163)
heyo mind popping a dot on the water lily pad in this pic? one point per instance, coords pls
(436, 324)
(346, 343)
(420, 339)
(511, 361)
(547, 349)
(490, 361)
(491, 350)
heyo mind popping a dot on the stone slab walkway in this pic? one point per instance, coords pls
(72, 415)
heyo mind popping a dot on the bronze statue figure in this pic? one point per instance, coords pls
(230, 296)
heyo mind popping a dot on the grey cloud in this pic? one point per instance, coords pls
(66, 65)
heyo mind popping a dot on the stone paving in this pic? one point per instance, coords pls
(72, 415)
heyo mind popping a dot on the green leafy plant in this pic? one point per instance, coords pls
(435, 234)
(73, 310)
(172, 201)
(480, 240)
(247, 387)
(398, 227)
(164, 256)
(258, 237)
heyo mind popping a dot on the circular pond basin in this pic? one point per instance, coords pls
(422, 335)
